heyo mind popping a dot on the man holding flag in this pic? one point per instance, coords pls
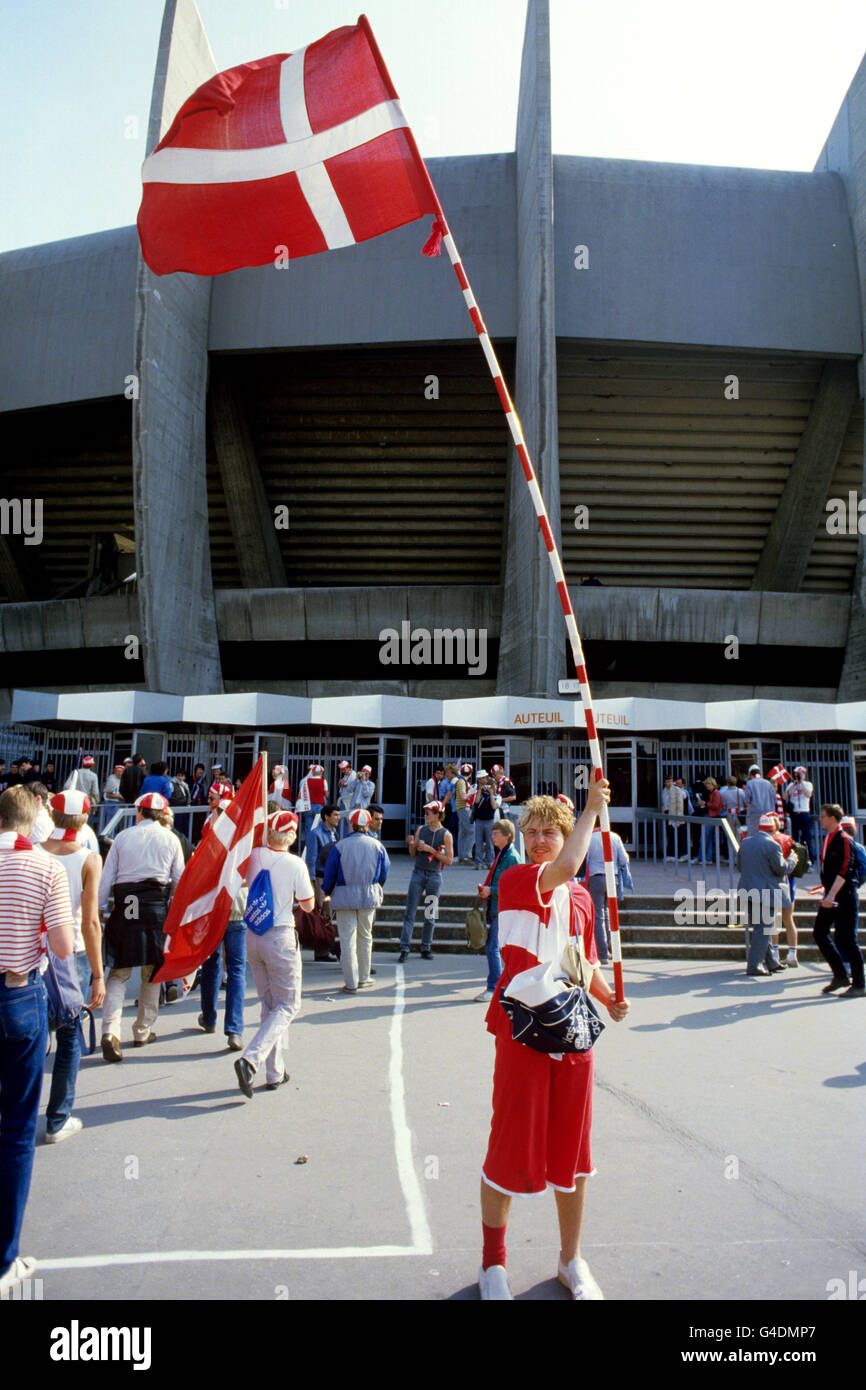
(275, 955)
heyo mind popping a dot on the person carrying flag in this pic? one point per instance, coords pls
(275, 957)
(542, 1103)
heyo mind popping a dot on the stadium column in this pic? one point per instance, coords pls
(175, 585)
(845, 152)
(255, 538)
(532, 645)
(800, 510)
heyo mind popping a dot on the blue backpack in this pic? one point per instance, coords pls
(259, 916)
(857, 867)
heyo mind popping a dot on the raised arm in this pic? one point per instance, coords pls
(574, 850)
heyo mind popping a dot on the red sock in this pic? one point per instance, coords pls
(494, 1246)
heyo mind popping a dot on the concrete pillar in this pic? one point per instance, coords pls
(801, 507)
(532, 649)
(175, 585)
(845, 152)
(252, 522)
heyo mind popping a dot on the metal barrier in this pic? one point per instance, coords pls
(655, 831)
(111, 817)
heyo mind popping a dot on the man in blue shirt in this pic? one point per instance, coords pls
(157, 780)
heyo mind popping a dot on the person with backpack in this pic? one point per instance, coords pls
(843, 865)
(83, 870)
(277, 880)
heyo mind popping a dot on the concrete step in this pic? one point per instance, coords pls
(733, 950)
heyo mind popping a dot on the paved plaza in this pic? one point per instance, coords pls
(727, 1137)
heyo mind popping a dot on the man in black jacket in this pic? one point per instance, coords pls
(839, 908)
(130, 782)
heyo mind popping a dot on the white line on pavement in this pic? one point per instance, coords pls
(422, 1240)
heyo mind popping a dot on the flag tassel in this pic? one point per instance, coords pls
(433, 245)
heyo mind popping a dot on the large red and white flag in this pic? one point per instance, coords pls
(306, 151)
(209, 884)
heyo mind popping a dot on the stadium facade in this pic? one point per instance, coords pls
(243, 483)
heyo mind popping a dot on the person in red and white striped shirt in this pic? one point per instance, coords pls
(34, 900)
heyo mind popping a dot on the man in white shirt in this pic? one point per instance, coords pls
(275, 957)
(142, 870)
(798, 795)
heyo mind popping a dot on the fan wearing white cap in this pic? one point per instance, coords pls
(760, 797)
(274, 957)
(312, 795)
(83, 869)
(764, 867)
(355, 873)
(348, 778)
(142, 870)
(84, 779)
(362, 790)
(798, 796)
(280, 789)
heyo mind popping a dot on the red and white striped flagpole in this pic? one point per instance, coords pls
(440, 229)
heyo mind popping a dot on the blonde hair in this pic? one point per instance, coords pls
(277, 840)
(67, 822)
(18, 809)
(549, 811)
(506, 828)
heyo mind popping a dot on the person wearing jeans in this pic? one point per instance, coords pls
(431, 846)
(485, 807)
(34, 895)
(235, 942)
(596, 885)
(506, 858)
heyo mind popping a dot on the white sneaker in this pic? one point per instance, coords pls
(576, 1277)
(70, 1126)
(484, 998)
(493, 1283)
(20, 1269)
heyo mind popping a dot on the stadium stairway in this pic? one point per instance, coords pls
(653, 928)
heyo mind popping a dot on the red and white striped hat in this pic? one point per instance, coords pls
(769, 821)
(567, 801)
(366, 768)
(282, 821)
(318, 770)
(466, 769)
(221, 789)
(87, 761)
(497, 768)
(127, 762)
(778, 774)
(70, 803)
(801, 769)
(343, 764)
(152, 801)
(433, 806)
(359, 819)
(119, 767)
(849, 821)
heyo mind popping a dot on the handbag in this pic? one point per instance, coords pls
(562, 1017)
(476, 928)
(314, 929)
(64, 1000)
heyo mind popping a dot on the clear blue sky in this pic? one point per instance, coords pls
(754, 83)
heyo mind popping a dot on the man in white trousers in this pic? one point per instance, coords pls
(275, 957)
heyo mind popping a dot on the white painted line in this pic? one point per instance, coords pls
(157, 1257)
(422, 1239)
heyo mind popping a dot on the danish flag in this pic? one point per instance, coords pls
(209, 884)
(289, 155)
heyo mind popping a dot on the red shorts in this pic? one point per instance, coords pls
(542, 1118)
